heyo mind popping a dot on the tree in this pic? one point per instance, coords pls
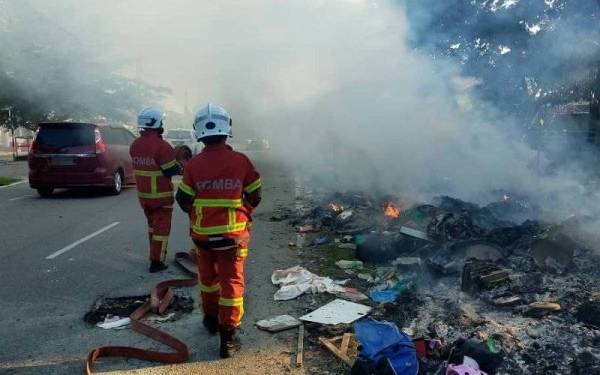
(524, 52)
(46, 73)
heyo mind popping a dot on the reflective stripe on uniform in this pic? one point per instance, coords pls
(164, 244)
(242, 252)
(231, 227)
(210, 288)
(231, 217)
(232, 224)
(166, 194)
(168, 165)
(234, 203)
(253, 186)
(234, 302)
(220, 229)
(231, 302)
(153, 194)
(186, 188)
(138, 172)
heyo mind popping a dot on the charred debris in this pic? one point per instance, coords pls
(458, 275)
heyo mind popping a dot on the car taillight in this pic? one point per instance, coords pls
(100, 145)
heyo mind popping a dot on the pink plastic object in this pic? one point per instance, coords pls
(463, 370)
(306, 228)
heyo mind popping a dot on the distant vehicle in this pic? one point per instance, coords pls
(184, 137)
(21, 146)
(70, 154)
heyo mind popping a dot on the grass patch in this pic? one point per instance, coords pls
(7, 180)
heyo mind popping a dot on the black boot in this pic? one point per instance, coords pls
(157, 266)
(230, 343)
(211, 323)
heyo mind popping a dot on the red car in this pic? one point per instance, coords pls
(70, 154)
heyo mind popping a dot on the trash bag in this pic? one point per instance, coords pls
(384, 350)
(376, 248)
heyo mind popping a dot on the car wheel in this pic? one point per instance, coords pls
(117, 183)
(45, 192)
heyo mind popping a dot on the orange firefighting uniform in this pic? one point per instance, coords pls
(217, 179)
(153, 159)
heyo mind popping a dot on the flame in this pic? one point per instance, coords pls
(335, 208)
(391, 211)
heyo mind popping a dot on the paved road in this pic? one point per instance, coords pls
(48, 284)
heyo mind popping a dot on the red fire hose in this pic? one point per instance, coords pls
(161, 297)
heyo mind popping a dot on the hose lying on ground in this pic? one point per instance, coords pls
(161, 297)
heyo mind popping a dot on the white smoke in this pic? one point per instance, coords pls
(332, 84)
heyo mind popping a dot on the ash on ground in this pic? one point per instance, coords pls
(460, 274)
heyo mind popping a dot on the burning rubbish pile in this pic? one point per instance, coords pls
(479, 287)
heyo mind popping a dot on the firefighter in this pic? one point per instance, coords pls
(153, 165)
(219, 191)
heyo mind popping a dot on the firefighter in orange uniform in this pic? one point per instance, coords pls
(219, 191)
(154, 164)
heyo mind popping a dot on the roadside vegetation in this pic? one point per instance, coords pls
(7, 180)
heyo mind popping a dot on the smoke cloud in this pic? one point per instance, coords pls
(333, 84)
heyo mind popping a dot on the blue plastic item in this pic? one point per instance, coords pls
(382, 342)
(320, 241)
(391, 294)
(384, 296)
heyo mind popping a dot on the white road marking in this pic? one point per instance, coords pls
(51, 361)
(78, 242)
(13, 184)
(21, 197)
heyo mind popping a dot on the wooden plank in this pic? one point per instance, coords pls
(333, 349)
(345, 343)
(300, 351)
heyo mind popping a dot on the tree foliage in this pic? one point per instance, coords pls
(523, 51)
(46, 73)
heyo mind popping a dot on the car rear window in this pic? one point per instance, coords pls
(60, 136)
(116, 136)
(178, 134)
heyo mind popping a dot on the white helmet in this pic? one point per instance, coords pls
(151, 118)
(212, 120)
